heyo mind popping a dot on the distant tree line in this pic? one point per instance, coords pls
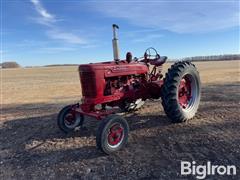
(10, 64)
(214, 58)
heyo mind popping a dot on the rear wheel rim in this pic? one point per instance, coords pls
(187, 92)
(115, 135)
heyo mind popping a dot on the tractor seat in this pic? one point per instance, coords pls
(159, 61)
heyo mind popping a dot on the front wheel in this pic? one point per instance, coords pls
(181, 91)
(68, 120)
(112, 134)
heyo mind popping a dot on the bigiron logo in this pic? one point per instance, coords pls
(201, 171)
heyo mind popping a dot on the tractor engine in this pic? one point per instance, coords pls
(123, 84)
(108, 82)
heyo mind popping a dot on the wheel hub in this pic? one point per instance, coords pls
(71, 120)
(184, 92)
(115, 135)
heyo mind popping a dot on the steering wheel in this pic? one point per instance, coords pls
(151, 54)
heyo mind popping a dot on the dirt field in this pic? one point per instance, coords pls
(32, 146)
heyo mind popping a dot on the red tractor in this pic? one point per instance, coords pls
(125, 85)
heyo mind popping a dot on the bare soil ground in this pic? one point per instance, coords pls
(32, 146)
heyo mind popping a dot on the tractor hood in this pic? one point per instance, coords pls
(112, 69)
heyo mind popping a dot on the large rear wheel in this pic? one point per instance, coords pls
(181, 91)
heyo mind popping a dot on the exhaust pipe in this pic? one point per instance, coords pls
(115, 43)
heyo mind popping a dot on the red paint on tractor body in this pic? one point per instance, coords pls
(111, 83)
(93, 77)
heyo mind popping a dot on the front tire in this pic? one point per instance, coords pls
(68, 120)
(181, 91)
(112, 134)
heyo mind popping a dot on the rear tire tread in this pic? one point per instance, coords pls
(169, 96)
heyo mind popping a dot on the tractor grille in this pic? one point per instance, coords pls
(88, 82)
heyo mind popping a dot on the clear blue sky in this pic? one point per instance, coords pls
(39, 32)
